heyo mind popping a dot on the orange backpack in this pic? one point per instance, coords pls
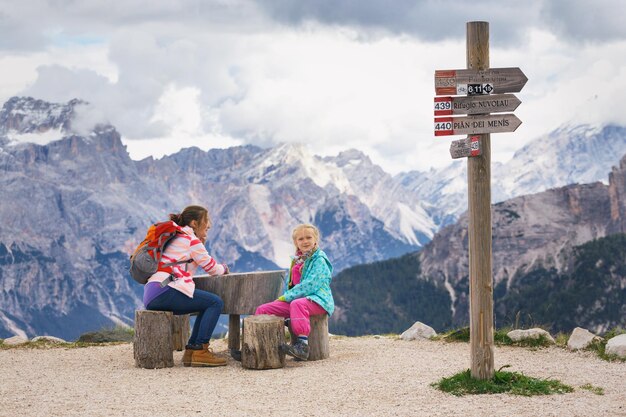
(146, 259)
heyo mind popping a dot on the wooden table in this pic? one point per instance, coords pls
(242, 293)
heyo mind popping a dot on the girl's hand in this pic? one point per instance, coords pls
(226, 270)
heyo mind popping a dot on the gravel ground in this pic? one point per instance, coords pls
(366, 376)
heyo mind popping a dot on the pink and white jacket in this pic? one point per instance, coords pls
(184, 247)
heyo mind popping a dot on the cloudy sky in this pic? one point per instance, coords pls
(333, 74)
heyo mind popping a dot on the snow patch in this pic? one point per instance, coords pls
(10, 325)
(411, 220)
(119, 321)
(274, 222)
(450, 289)
(320, 172)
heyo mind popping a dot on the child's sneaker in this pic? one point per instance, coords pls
(298, 350)
(236, 354)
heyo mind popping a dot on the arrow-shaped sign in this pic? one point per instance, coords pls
(495, 103)
(464, 148)
(474, 82)
(473, 125)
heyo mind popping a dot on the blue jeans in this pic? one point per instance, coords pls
(206, 304)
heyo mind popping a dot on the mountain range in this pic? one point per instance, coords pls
(558, 260)
(75, 205)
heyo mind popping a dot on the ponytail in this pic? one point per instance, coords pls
(176, 218)
(190, 213)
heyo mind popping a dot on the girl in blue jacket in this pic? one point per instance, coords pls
(307, 290)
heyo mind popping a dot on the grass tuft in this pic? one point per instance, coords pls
(500, 338)
(458, 335)
(561, 339)
(503, 382)
(107, 335)
(594, 389)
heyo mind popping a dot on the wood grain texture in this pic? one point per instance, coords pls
(180, 331)
(152, 345)
(318, 338)
(262, 337)
(243, 292)
(479, 229)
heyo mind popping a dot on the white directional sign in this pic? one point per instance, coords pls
(495, 103)
(473, 125)
(474, 82)
(464, 148)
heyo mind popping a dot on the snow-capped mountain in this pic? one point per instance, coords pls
(75, 205)
(571, 154)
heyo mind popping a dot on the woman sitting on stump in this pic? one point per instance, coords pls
(307, 291)
(180, 294)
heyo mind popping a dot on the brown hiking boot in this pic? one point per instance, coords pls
(187, 357)
(206, 357)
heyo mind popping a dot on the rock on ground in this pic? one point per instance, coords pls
(418, 330)
(580, 339)
(616, 346)
(536, 333)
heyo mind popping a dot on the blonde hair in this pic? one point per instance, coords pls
(303, 226)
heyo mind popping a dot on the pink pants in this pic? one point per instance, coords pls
(299, 311)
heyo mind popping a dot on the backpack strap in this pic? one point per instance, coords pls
(171, 277)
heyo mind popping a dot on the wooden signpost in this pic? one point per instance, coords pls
(485, 91)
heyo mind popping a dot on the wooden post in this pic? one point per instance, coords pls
(180, 331)
(318, 338)
(479, 205)
(234, 329)
(152, 345)
(262, 337)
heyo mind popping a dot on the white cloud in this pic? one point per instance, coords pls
(222, 72)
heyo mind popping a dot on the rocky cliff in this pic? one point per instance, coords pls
(75, 205)
(537, 231)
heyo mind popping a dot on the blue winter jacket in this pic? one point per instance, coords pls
(315, 282)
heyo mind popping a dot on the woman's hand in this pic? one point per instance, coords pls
(226, 270)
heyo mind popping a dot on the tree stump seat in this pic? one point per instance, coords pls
(263, 336)
(152, 345)
(318, 338)
(319, 347)
(157, 334)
